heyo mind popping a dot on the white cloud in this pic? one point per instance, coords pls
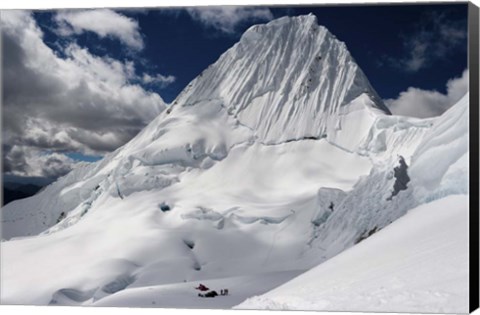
(158, 79)
(103, 22)
(227, 18)
(423, 103)
(417, 56)
(31, 162)
(82, 102)
(435, 39)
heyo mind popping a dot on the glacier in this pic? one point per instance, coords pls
(276, 158)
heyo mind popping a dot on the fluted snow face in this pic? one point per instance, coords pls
(285, 79)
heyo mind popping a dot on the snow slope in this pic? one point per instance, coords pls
(218, 226)
(272, 161)
(173, 295)
(417, 264)
(440, 163)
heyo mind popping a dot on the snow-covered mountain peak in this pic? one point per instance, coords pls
(284, 80)
(276, 158)
(302, 21)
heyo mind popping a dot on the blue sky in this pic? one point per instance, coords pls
(96, 60)
(377, 36)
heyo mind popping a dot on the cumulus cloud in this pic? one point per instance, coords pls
(31, 162)
(424, 103)
(51, 105)
(159, 79)
(227, 18)
(103, 22)
(435, 39)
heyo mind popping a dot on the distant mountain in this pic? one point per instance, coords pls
(15, 192)
(18, 187)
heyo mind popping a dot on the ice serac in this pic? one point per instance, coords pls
(288, 79)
